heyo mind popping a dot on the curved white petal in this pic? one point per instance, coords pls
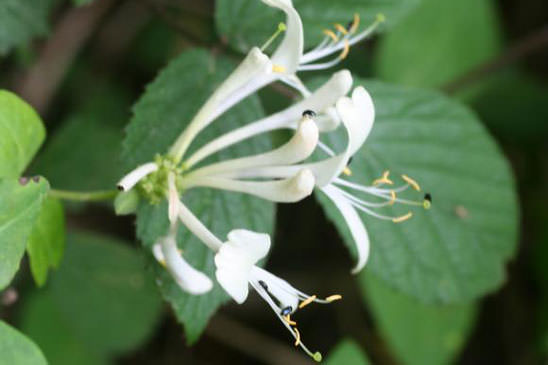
(235, 261)
(188, 278)
(256, 66)
(173, 199)
(355, 224)
(287, 190)
(322, 99)
(289, 52)
(297, 149)
(131, 179)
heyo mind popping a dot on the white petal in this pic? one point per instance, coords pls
(233, 269)
(173, 199)
(287, 190)
(256, 65)
(289, 52)
(278, 288)
(358, 113)
(355, 224)
(297, 149)
(188, 278)
(255, 244)
(322, 99)
(197, 228)
(131, 179)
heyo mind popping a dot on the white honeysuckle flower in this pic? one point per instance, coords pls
(357, 114)
(236, 262)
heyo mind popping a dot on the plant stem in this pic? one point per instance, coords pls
(83, 196)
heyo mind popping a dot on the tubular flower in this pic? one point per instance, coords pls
(236, 270)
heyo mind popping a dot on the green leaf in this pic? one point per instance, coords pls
(248, 23)
(47, 240)
(21, 21)
(84, 154)
(160, 115)
(42, 320)
(345, 353)
(104, 294)
(17, 349)
(126, 202)
(21, 133)
(456, 251)
(82, 2)
(418, 333)
(20, 205)
(439, 41)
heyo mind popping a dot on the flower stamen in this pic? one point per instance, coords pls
(281, 28)
(340, 28)
(345, 50)
(411, 182)
(384, 179)
(278, 69)
(307, 301)
(402, 218)
(331, 35)
(297, 336)
(333, 298)
(354, 24)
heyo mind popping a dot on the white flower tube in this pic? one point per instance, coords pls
(131, 179)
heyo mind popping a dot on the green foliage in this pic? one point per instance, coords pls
(345, 353)
(20, 206)
(126, 202)
(103, 294)
(17, 349)
(417, 333)
(21, 21)
(21, 133)
(47, 241)
(248, 23)
(160, 115)
(84, 152)
(456, 251)
(438, 41)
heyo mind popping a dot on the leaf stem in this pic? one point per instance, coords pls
(83, 196)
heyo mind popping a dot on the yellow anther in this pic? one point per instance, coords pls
(426, 204)
(278, 69)
(384, 179)
(392, 197)
(347, 171)
(289, 321)
(297, 337)
(411, 182)
(402, 218)
(340, 28)
(307, 301)
(163, 263)
(331, 35)
(333, 298)
(355, 23)
(345, 50)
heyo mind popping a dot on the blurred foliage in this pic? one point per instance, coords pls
(347, 352)
(439, 41)
(101, 302)
(17, 349)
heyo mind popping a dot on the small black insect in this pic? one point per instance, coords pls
(350, 161)
(286, 311)
(309, 113)
(428, 197)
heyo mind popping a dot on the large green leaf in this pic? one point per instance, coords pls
(21, 133)
(104, 294)
(160, 115)
(17, 349)
(345, 353)
(22, 20)
(42, 320)
(20, 204)
(47, 240)
(248, 23)
(456, 251)
(418, 334)
(439, 41)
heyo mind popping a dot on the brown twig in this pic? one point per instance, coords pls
(253, 343)
(39, 85)
(532, 43)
